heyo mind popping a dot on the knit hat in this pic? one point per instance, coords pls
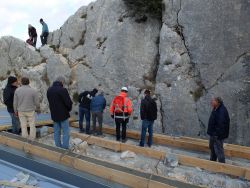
(11, 80)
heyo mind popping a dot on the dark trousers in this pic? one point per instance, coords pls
(217, 150)
(44, 38)
(34, 39)
(99, 117)
(121, 123)
(147, 125)
(84, 112)
(15, 123)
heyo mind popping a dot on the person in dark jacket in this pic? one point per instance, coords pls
(60, 106)
(84, 108)
(8, 98)
(218, 129)
(97, 106)
(148, 112)
(32, 34)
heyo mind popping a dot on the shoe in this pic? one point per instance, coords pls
(99, 134)
(81, 131)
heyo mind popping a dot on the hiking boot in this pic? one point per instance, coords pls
(81, 131)
(124, 140)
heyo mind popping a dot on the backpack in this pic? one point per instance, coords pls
(119, 104)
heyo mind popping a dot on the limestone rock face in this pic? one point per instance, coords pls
(198, 50)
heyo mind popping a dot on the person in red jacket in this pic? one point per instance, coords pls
(120, 110)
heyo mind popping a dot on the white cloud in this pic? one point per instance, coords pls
(15, 15)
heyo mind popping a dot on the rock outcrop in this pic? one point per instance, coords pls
(198, 50)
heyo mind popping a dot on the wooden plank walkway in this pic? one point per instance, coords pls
(211, 166)
(112, 172)
(183, 142)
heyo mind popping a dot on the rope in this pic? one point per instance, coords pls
(156, 166)
(149, 180)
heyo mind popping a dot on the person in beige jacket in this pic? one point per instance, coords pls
(26, 103)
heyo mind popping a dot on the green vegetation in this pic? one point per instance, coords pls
(198, 92)
(84, 16)
(151, 7)
(167, 62)
(75, 97)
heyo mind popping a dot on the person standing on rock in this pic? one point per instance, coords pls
(97, 106)
(120, 110)
(218, 129)
(148, 112)
(26, 103)
(60, 105)
(45, 32)
(32, 34)
(84, 109)
(8, 98)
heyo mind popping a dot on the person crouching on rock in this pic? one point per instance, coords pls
(148, 112)
(121, 110)
(218, 129)
(33, 35)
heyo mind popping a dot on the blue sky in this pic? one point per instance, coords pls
(15, 15)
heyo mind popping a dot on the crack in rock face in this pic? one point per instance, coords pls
(190, 54)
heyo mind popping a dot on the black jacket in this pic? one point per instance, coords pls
(8, 97)
(32, 32)
(148, 109)
(60, 103)
(85, 99)
(219, 123)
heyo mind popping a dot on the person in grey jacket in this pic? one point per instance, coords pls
(26, 103)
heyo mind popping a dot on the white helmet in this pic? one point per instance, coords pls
(124, 89)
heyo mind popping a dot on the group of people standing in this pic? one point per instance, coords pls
(23, 102)
(33, 34)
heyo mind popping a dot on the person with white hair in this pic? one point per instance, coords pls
(218, 129)
(32, 35)
(60, 105)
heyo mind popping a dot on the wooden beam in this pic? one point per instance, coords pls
(103, 171)
(5, 127)
(38, 124)
(13, 184)
(184, 142)
(233, 170)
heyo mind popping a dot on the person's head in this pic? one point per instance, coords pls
(147, 92)
(25, 81)
(94, 91)
(29, 26)
(41, 21)
(12, 80)
(124, 89)
(216, 102)
(60, 79)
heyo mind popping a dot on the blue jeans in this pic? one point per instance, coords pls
(64, 126)
(15, 123)
(147, 125)
(84, 112)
